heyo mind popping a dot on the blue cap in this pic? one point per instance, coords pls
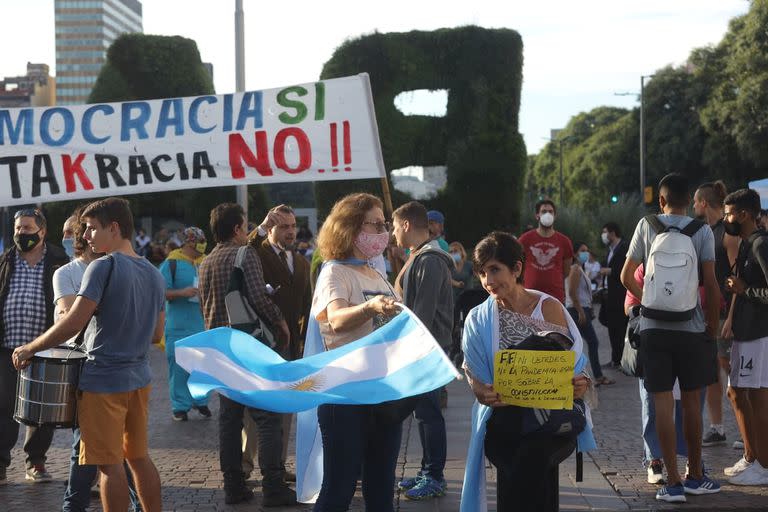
(435, 216)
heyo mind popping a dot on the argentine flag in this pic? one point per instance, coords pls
(398, 360)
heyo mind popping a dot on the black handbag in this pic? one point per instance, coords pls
(601, 297)
(630, 357)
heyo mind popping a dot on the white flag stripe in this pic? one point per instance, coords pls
(366, 363)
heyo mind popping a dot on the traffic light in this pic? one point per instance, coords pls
(614, 199)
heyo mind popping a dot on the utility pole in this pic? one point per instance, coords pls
(642, 135)
(242, 190)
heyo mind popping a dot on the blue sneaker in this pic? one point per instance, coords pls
(409, 483)
(426, 488)
(671, 494)
(704, 486)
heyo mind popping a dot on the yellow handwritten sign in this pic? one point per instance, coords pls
(535, 378)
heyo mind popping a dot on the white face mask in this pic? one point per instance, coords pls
(546, 219)
(604, 237)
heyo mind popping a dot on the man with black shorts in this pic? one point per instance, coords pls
(682, 349)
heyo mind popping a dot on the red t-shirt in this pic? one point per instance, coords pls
(544, 262)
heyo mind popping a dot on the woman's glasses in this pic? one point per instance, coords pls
(381, 227)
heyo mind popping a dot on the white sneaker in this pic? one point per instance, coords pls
(656, 473)
(755, 474)
(737, 468)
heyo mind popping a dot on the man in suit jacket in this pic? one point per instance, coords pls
(613, 315)
(286, 271)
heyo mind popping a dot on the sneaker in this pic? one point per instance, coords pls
(409, 483)
(426, 488)
(180, 416)
(755, 474)
(737, 468)
(713, 438)
(671, 493)
(703, 486)
(203, 410)
(738, 445)
(656, 472)
(38, 474)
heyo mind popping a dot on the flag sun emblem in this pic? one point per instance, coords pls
(308, 384)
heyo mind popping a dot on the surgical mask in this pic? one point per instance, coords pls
(456, 256)
(732, 228)
(604, 238)
(372, 244)
(546, 219)
(26, 242)
(201, 247)
(69, 246)
(584, 256)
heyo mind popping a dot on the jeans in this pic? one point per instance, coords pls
(589, 335)
(181, 398)
(353, 447)
(652, 448)
(77, 495)
(432, 434)
(269, 427)
(37, 439)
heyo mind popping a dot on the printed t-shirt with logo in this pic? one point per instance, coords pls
(544, 262)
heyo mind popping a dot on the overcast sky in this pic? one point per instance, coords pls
(577, 55)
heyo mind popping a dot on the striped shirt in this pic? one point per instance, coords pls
(24, 311)
(214, 274)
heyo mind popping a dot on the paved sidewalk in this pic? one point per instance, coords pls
(186, 455)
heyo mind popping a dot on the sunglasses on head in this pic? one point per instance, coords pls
(29, 212)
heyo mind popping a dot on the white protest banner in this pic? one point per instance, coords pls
(312, 132)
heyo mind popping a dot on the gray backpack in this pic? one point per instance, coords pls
(239, 311)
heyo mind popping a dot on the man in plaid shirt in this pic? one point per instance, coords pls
(230, 231)
(26, 301)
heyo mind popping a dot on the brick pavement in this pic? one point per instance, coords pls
(187, 457)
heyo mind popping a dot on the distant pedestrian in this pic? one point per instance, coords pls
(548, 253)
(579, 305)
(437, 228)
(612, 310)
(183, 316)
(708, 206)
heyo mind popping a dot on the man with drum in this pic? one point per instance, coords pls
(26, 299)
(113, 396)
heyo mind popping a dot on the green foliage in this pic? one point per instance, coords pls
(142, 67)
(478, 140)
(707, 119)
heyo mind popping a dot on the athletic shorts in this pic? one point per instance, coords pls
(749, 364)
(668, 355)
(113, 426)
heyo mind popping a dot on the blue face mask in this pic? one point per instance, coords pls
(69, 246)
(584, 256)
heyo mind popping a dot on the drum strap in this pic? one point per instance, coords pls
(79, 339)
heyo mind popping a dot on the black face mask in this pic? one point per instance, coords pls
(26, 242)
(732, 228)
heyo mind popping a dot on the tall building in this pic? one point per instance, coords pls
(84, 31)
(35, 89)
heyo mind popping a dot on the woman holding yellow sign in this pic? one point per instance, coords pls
(514, 317)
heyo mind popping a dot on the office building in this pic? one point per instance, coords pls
(84, 31)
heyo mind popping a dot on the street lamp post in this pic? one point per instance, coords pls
(562, 191)
(242, 190)
(642, 135)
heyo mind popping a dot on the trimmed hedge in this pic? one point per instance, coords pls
(477, 140)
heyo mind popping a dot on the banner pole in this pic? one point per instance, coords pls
(388, 209)
(241, 190)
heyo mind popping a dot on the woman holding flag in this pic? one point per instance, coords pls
(526, 463)
(351, 300)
